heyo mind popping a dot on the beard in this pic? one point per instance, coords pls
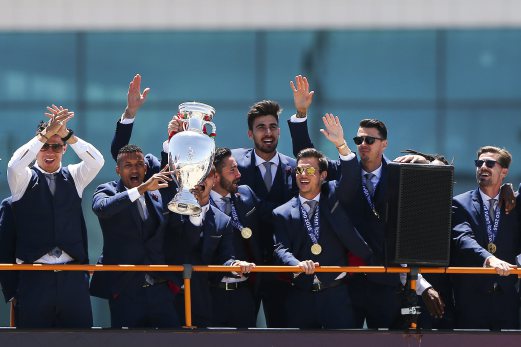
(229, 186)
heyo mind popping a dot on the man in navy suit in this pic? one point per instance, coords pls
(270, 175)
(206, 239)
(484, 235)
(313, 229)
(8, 279)
(131, 218)
(375, 296)
(235, 297)
(50, 227)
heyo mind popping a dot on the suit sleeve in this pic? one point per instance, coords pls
(349, 182)
(106, 202)
(465, 247)
(283, 255)
(8, 279)
(121, 138)
(299, 136)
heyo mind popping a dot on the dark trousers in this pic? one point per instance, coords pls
(234, 308)
(376, 303)
(201, 301)
(496, 309)
(329, 309)
(144, 307)
(273, 293)
(47, 299)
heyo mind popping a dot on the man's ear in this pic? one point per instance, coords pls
(117, 169)
(323, 176)
(250, 134)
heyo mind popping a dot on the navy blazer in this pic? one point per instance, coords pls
(126, 238)
(337, 235)
(470, 239)
(8, 279)
(247, 206)
(283, 189)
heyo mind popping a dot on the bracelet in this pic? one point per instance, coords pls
(300, 114)
(66, 138)
(342, 145)
(42, 135)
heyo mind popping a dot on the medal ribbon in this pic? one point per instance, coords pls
(492, 230)
(368, 198)
(234, 217)
(313, 231)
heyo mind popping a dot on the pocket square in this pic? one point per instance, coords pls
(216, 236)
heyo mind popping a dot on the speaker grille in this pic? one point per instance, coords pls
(423, 214)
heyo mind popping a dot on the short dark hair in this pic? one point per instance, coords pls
(313, 153)
(221, 154)
(263, 108)
(429, 157)
(505, 158)
(375, 123)
(128, 149)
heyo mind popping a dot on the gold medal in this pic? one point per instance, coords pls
(246, 233)
(491, 247)
(316, 249)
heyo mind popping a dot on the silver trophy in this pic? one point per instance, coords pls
(191, 154)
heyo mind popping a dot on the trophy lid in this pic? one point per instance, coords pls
(197, 107)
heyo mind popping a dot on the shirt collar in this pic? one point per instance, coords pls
(217, 197)
(377, 172)
(486, 198)
(45, 172)
(303, 200)
(259, 161)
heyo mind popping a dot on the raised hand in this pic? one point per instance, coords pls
(302, 97)
(135, 99)
(157, 181)
(333, 129)
(53, 112)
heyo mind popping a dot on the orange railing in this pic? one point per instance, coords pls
(187, 270)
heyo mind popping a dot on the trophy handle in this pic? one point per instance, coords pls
(214, 128)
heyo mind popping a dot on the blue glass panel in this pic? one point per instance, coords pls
(180, 66)
(377, 64)
(483, 64)
(37, 67)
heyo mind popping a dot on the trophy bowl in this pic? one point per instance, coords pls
(190, 155)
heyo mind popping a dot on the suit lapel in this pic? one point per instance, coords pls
(480, 220)
(134, 210)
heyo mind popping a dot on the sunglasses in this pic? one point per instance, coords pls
(310, 171)
(488, 163)
(368, 139)
(56, 147)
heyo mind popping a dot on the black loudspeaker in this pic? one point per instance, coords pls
(419, 200)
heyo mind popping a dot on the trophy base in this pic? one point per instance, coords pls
(185, 203)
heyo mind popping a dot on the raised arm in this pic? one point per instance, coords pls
(135, 99)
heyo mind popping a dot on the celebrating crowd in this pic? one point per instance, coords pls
(259, 207)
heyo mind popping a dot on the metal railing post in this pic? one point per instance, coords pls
(187, 275)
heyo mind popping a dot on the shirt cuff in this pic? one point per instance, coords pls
(196, 220)
(350, 156)
(422, 285)
(485, 262)
(165, 146)
(295, 119)
(133, 194)
(124, 120)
